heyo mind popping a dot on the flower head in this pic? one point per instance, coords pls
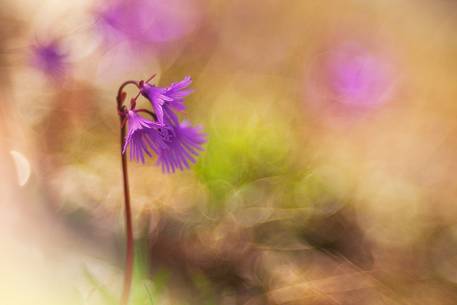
(176, 144)
(142, 136)
(167, 99)
(177, 92)
(183, 145)
(49, 58)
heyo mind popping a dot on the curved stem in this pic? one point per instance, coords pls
(148, 112)
(121, 94)
(128, 273)
(128, 227)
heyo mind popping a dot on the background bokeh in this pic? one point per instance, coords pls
(328, 176)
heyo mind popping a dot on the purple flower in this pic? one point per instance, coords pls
(146, 22)
(183, 143)
(176, 144)
(142, 136)
(49, 58)
(167, 99)
(358, 77)
(177, 92)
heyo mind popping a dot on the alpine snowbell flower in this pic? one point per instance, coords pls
(142, 137)
(183, 143)
(176, 144)
(166, 99)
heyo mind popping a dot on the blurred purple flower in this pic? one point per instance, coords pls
(357, 77)
(167, 99)
(183, 143)
(142, 136)
(49, 58)
(146, 21)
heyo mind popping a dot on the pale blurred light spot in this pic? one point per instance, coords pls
(83, 44)
(121, 61)
(22, 167)
(79, 187)
(399, 202)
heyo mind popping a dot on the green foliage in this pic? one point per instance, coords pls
(240, 154)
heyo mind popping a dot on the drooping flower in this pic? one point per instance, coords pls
(142, 137)
(49, 58)
(183, 144)
(158, 99)
(165, 100)
(176, 144)
(177, 92)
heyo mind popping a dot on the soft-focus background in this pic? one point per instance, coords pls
(328, 176)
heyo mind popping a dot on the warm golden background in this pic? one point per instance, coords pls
(328, 176)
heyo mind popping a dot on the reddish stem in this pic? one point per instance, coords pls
(148, 112)
(128, 226)
(128, 213)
